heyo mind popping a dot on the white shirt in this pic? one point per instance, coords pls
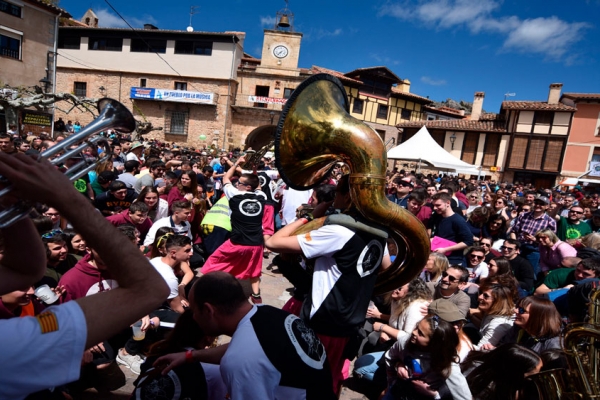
(166, 222)
(291, 200)
(31, 361)
(168, 275)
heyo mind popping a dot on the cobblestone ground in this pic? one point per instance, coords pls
(275, 291)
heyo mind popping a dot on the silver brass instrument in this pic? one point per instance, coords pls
(113, 115)
(315, 132)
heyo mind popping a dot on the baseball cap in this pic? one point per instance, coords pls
(543, 199)
(446, 310)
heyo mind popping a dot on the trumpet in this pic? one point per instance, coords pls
(112, 115)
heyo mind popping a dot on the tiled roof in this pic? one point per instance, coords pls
(446, 110)
(366, 69)
(411, 95)
(536, 105)
(337, 74)
(51, 7)
(582, 96)
(488, 117)
(150, 31)
(458, 125)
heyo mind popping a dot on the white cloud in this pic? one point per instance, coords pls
(107, 19)
(320, 33)
(267, 21)
(550, 36)
(433, 82)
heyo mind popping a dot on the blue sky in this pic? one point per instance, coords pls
(446, 48)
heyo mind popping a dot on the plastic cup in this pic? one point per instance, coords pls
(138, 333)
(371, 305)
(45, 294)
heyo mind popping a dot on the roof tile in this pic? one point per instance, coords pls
(536, 105)
(582, 96)
(496, 125)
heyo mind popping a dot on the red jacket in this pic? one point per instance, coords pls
(123, 218)
(84, 280)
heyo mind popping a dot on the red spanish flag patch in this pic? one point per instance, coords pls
(48, 322)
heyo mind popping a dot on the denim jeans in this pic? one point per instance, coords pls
(366, 365)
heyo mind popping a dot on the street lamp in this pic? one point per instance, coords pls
(102, 89)
(452, 139)
(45, 82)
(272, 114)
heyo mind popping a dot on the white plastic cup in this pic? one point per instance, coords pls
(138, 333)
(371, 305)
(46, 294)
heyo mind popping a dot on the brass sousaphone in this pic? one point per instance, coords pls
(314, 133)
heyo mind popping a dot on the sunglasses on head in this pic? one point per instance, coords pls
(521, 310)
(52, 233)
(450, 277)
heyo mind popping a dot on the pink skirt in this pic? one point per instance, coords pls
(268, 220)
(243, 262)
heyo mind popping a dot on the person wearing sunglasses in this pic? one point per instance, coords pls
(572, 228)
(451, 286)
(474, 262)
(537, 325)
(527, 225)
(494, 314)
(552, 250)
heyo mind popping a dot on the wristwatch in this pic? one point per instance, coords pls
(308, 216)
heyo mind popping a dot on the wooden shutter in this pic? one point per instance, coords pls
(470, 147)
(553, 155)
(492, 144)
(518, 151)
(535, 154)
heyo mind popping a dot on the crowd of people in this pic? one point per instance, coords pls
(171, 242)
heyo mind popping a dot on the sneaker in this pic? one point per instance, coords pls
(256, 299)
(131, 362)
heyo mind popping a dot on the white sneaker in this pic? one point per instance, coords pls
(131, 362)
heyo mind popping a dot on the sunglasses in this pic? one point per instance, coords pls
(576, 212)
(507, 248)
(476, 257)
(486, 296)
(539, 203)
(450, 277)
(521, 310)
(52, 233)
(486, 244)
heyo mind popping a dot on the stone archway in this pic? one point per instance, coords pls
(260, 137)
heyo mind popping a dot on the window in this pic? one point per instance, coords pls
(544, 117)
(105, 44)
(9, 8)
(490, 152)
(180, 85)
(470, 147)
(596, 155)
(142, 82)
(405, 114)
(261, 91)
(148, 46)
(357, 107)
(553, 152)
(69, 42)
(287, 93)
(192, 47)
(10, 47)
(380, 89)
(381, 134)
(518, 152)
(80, 89)
(176, 122)
(382, 111)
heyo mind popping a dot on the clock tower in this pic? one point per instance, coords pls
(281, 47)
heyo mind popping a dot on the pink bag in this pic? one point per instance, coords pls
(437, 242)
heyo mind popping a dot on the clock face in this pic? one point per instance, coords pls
(280, 51)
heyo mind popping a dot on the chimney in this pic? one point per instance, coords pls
(150, 27)
(554, 94)
(477, 106)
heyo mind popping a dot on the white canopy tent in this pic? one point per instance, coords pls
(422, 148)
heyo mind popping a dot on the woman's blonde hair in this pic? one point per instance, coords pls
(547, 232)
(592, 240)
(440, 264)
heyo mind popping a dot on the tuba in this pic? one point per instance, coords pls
(314, 133)
(113, 115)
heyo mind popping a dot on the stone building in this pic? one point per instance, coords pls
(28, 30)
(180, 81)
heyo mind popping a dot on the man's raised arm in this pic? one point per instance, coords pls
(141, 289)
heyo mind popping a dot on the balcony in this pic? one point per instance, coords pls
(7, 52)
